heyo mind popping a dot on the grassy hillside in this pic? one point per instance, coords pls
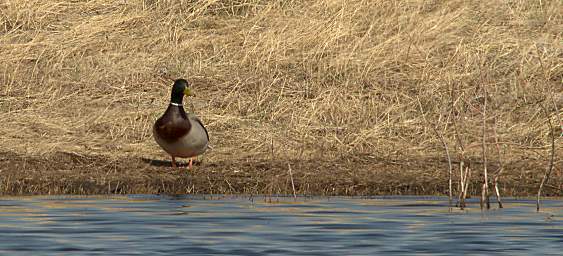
(288, 80)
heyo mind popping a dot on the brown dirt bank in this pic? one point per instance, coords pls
(69, 173)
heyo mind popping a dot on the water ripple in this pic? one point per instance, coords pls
(210, 224)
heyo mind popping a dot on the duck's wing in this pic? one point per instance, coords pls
(194, 118)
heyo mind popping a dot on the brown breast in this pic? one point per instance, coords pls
(173, 124)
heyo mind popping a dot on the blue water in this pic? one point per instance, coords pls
(228, 225)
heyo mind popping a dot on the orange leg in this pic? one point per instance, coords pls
(173, 162)
(190, 163)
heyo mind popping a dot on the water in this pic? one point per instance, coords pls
(205, 225)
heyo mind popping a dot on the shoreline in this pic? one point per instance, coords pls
(71, 174)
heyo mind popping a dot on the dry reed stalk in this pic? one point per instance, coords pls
(498, 173)
(292, 183)
(465, 177)
(485, 189)
(461, 197)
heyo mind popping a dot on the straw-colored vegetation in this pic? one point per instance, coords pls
(321, 81)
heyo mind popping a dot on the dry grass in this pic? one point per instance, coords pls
(284, 80)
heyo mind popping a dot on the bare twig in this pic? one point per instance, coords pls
(464, 175)
(558, 116)
(441, 137)
(550, 166)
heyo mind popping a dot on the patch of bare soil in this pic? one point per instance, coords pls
(359, 175)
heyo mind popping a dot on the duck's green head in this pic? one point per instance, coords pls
(180, 88)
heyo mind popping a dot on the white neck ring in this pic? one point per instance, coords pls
(176, 104)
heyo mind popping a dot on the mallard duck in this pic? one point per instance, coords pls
(178, 133)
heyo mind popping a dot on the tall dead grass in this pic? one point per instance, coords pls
(283, 79)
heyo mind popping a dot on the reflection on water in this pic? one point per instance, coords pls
(145, 225)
